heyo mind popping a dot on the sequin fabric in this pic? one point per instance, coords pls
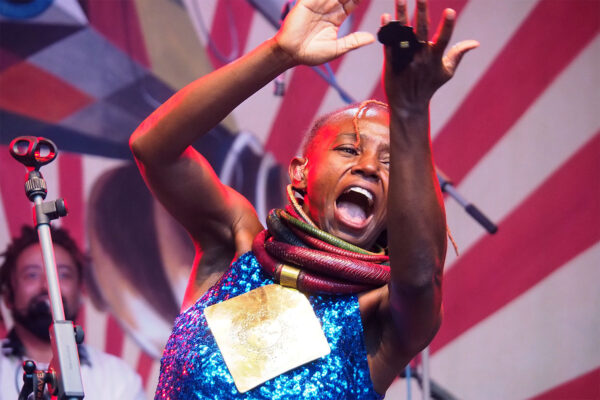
(192, 366)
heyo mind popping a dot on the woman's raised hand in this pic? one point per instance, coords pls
(412, 87)
(309, 32)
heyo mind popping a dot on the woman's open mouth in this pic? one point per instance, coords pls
(354, 207)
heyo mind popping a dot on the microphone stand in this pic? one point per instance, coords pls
(424, 380)
(63, 376)
(435, 391)
(471, 209)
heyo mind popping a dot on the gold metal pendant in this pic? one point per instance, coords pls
(266, 332)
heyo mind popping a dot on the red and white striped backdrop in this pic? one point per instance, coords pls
(518, 130)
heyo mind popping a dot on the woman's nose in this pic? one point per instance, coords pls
(368, 166)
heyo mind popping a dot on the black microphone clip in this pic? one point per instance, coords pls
(402, 41)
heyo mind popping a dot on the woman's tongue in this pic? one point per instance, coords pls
(351, 212)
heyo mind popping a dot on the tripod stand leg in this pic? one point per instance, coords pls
(425, 364)
(34, 382)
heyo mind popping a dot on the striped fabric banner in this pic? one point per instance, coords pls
(517, 129)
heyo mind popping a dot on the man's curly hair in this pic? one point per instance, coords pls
(28, 237)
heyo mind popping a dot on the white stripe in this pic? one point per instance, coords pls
(6, 316)
(73, 9)
(152, 379)
(95, 325)
(546, 337)
(257, 113)
(262, 178)
(550, 132)
(399, 390)
(4, 231)
(62, 12)
(492, 23)
(52, 177)
(131, 352)
(93, 168)
(359, 71)
(260, 30)
(141, 322)
(231, 161)
(201, 13)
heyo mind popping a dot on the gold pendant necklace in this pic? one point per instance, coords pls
(266, 332)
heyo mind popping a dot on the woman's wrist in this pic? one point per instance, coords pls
(282, 56)
(409, 111)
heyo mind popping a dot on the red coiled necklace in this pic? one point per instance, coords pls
(297, 254)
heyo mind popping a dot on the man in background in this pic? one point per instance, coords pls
(24, 289)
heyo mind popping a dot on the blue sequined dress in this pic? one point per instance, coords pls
(192, 366)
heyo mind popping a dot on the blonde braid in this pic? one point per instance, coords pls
(362, 106)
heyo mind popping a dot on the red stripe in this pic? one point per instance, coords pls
(302, 100)
(118, 21)
(3, 330)
(70, 170)
(520, 73)
(436, 7)
(17, 208)
(144, 366)
(114, 337)
(556, 223)
(232, 18)
(17, 84)
(584, 387)
(299, 106)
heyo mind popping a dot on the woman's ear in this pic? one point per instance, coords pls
(297, 172)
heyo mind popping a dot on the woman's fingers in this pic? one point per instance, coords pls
(354, 41)
(401, 14)
(456, 53)
(422, 29)
(385, 19)
(444, 32)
